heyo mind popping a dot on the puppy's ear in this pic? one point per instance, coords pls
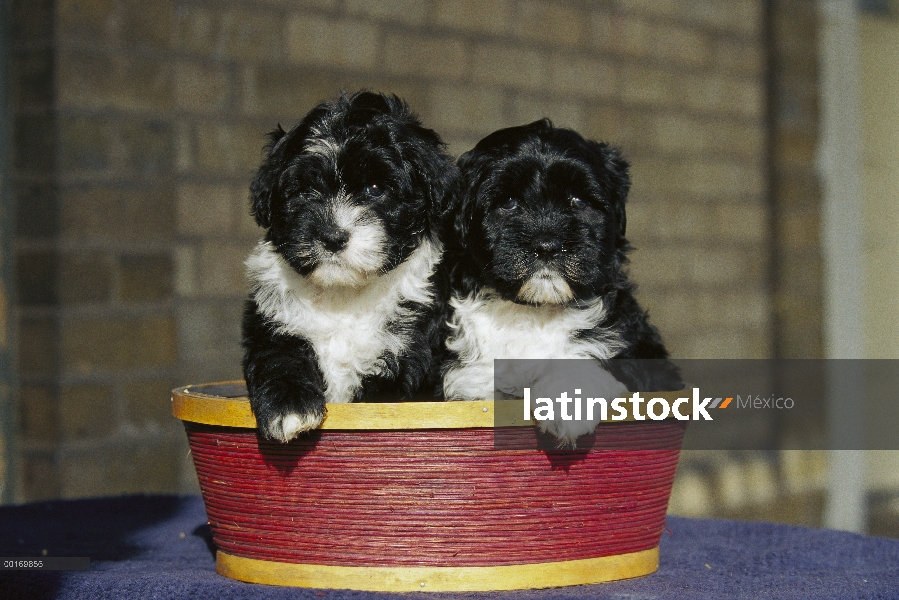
(462, 207)
(615, 173)
(266, 180)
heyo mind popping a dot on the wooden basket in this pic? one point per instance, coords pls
(418, 497)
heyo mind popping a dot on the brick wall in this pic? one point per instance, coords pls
(138, 126)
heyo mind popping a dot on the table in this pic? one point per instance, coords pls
(160, 547)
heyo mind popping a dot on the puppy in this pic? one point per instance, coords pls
(345, 304)
(537, 261)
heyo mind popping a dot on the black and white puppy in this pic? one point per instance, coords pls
(345, 303)
(537, 265)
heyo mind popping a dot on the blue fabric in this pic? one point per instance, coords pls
(159, 547)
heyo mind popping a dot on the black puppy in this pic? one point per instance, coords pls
(538, 262)
(345, 305)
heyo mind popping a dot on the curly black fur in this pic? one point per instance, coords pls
(539, 197)
(364, 166)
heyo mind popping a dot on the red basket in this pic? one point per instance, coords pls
(419, 496)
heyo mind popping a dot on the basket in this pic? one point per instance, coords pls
(419, 497)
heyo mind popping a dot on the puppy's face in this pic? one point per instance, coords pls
(541, 214)
(350, 191)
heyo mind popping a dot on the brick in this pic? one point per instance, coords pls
(228, 34)
(552, 23)
(284, 93)
(483, 16)
(229, 149)
(607, 122)
(663, 42)
(412, 12)
(466, 109)
(720, 266)
(205, 209)
(583, 76)
(738, 56)
(85, 277)
(670, 218)
(185, 145)
(146, 24)
(676, 133)
(741, 139)
(719, 178)
(187, 278)
(38, 416)
(509, 66)
(90, 345)
(35, 282)
(127, 467)
(660, 266)
(147, 403)
(209, 333)
(35, 209)
(146, 148)
(139, 214)
(656, 175)
(85, 144)
(197, 30)
(743, 97)
(37, 343)
(602, 29)
(526, 109)
(405, 54)
(98, 81)
(86, 411)
(643, 85)
(742, 17)
(146, 278)
(246, 223)
(221, 269)
(40, 479)
(747, 222)
(346, 43)
(94, 21)
(201, 87)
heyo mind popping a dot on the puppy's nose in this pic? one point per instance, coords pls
(547, 247)
(335, 239)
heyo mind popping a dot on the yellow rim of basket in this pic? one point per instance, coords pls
(194, 406)
(441, 579)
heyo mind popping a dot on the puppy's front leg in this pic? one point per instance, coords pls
(564, 376)
(285, 385)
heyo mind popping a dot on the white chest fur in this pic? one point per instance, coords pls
(484, 327)
(347, 326)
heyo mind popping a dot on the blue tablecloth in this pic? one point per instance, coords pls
(160, 547)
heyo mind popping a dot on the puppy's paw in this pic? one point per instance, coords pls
(567, 432)
(583, 379)
(284, 427)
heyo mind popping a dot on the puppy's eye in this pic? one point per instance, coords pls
(577, 203)
(510, 204)
(374, 190)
